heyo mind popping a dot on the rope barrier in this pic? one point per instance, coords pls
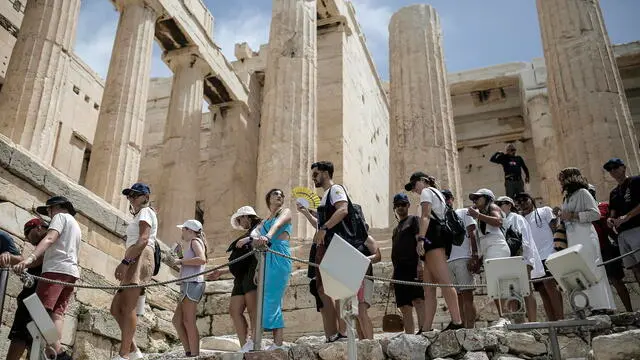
(26, 277)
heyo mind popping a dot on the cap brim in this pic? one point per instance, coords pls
(126, 192)
(234, 221)
(42, 210)
(409, 186)
(474, 196)
(179, 226)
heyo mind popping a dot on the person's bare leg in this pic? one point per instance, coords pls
(278, 336)
(636, 272)
(58, 321)
(555, 297)
(418, 304)
(469, 309)
(16, 349)
(623, 293)
(251, 302)
(532, 308)
(189, 309)
(461, 305)
(407, 319)
(329, 316)
(129, 300)
(178, 324)
(342, 325)
(236, 312)
(546, 303)
(366, 326)
(437, 264)
(430, 302)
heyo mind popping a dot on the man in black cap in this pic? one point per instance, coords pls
(513, 166)
(624, 205)
(59, 252)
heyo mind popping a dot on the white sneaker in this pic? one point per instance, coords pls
(248, 346)
(136, 355)
(275, 347)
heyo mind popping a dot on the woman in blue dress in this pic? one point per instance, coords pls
(275, 231)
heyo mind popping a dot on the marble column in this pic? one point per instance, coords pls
(180, 158)
(545, 145)
(422, 130)
(586, 95)
(115, 155)
(233, 153)
(31, 96)
(288, 125)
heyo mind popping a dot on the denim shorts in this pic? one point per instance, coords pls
(192, 290)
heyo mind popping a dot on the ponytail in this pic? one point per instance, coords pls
(203, 237)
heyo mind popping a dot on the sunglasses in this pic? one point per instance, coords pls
(277, 193)
(133, 195)
(399, 205)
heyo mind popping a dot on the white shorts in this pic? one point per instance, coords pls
(460, 274)
(494, 246)
(629, 240)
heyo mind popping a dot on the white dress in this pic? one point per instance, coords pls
(582, 232)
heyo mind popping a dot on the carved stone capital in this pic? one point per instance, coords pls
(153, 5)
(188, 56)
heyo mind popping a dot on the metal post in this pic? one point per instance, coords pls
(257, 340)
(553, 335)
(4, 280)
(553, 342)
(349, 313)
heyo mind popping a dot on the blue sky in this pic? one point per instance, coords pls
(477, 33)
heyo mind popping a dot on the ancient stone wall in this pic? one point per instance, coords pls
(89, 328)
(13, 18)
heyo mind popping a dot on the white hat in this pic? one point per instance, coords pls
(243, 211)
(193, 225)
(505, 199)
(482, 192)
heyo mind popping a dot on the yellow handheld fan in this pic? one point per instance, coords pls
(306, 197)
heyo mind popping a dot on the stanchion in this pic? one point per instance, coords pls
(4, 279)
(257, 340)
(349, 312)
(552, 326)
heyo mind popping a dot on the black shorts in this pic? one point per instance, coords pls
(406, 294)
(434, 240)
(244, 284)
(22, 317)
(540, 284)
(614, 270)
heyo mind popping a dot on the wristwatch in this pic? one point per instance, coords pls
(126, 261)
(323, 227)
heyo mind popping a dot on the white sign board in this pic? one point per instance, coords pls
(342, 269)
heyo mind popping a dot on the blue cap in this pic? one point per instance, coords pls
(400, 198)
(140, 188)
(612, 164)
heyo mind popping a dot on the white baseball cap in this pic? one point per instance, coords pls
(482, 192)
(243, 211)
(193, 225)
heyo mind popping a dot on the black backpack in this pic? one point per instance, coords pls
(452, 229)
(157, 258)
(354, 225)
(514, 240)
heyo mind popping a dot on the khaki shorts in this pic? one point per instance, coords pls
(140, 271)
(629, 240)
(460, 274)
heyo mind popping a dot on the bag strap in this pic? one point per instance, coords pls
(443, 202)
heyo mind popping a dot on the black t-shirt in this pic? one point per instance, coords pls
(403, 250)
(513, 165)
(7, 244)
(624, 198)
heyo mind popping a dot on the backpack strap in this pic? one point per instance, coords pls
(443, 202)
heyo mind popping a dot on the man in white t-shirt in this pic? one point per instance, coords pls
(334, 208)
(542, 225)
(59, 253)
(461, 260)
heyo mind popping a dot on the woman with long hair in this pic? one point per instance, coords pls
(275, 232)
(243, 295)
(579, 210)
(194, 257)
(432, 249)
(136, 267)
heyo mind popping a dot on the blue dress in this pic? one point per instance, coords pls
(276, 277)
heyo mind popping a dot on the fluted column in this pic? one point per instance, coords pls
(30, 100)
(233, 152)
(288, 125)
(115, 155)
(180, 159)
(422, 131)
(586, 96)
(545, 145)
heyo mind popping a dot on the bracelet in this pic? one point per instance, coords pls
(126, 261)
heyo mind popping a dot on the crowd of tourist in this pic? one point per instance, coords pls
(440, 245)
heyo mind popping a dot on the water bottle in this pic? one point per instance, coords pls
(140, 306)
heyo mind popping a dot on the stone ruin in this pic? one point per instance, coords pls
(311, 93)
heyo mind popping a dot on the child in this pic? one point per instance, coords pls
(194, 249)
